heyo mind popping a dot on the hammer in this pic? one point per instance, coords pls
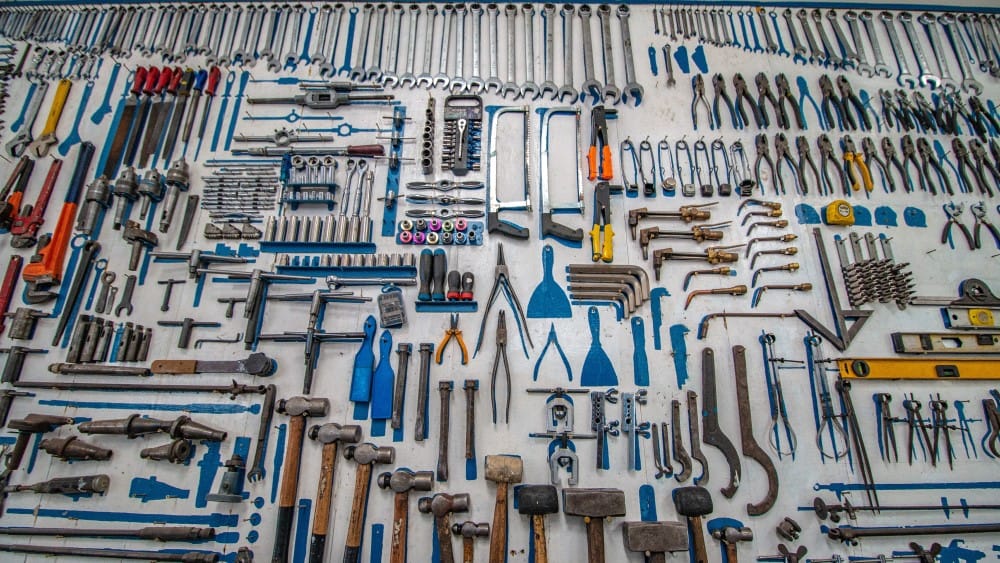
(298, 408)
(441, 506)
(728, 536)
(655, 539)
(402, 481)
(330, 435)
(693, 503)
(469, 531)
(365, 455)
(502, 470)
(594, 505)
(26, 428)
(537, 501)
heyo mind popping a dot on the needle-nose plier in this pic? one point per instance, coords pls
(453, 332)
(501, 282)
(501, 340)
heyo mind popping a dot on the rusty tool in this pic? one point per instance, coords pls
(594, 505)
(537, 501)
(750, 446)
(693, 503)
(441, 506)
(26, 428)
(74, 449)
(502, 470)
(655, 539)
(7, 289)
(28, 218)
(444, 391)
(298, 409)
(330, 435)
(401, 482)
(365, 455)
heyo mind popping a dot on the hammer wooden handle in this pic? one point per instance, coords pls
(324, 500)
(731, 553)
(595, 540)
(289, 488)
(700, 553)
(443, 524)
(498, 535)
(538, 535)
(468, 551)
(356, 528)
(400, 521)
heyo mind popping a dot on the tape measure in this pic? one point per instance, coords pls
(840, 212)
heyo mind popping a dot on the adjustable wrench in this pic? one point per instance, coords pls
(548, 55)
(905, 77)
(926, 79)
(863, 66)
(568, 90)
(632, 87)
(929, 22)
(609, 90)
(492, 14)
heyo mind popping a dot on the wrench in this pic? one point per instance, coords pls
(250, 49)
(476, 82)
(609, 90)
(817, 55)
(292, 56)
(929, 22)
(374, 72)
(441, 79)
(411, 47)
(361, 57)
(274, 63)
(798, 50)
(969, 83)
(548, 56)
(492, 13)
(880, 68)
(222, 53)
(905, 77)
(510, 87)
(772, 46)
(424, 79)
(101, 305)
(863, 66)
(126, 301)
(240, 54)
(926, 79)
(832, 58)
(568, 90)
(850, 55)
(389, 76)
(458, 83)
(590, 84)
(632, 87)
(529, 53)
(318, 57)
(273, 23)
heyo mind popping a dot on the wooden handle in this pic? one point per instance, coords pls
(731, 554)
(400, 520)
(356, 528)
(595, 540)
(467, 550)
(293, 456)
(175, 367)
(443, 524)
(324, 490)
(700, 553)
(498, 533)
(538, 533)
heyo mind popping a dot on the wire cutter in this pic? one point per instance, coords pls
(698, 86)
(965, 164)
(785, 95)
(979, 212)
(719, 85)
(954, 212)
(978, 151)
(927, 161)
(852, 156)
(806, 159)
(825, 158)
(501, 282)
(501, 340)
(743, 95)
(782, 152)
(830, 99)
(871, 156)
(601, 234)
(453, 332)
(763, 154)
(599, 144)
(847, 95)
(764, 93)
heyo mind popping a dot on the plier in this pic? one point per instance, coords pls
(890, 113)
(871, 156)
(978, 151)
(13, 191)
(501, 282)
(907, 111)
(501, 340)
(553, 340)
(889, 152)
(928, 160)
(601, 234)
(742, 95)
(830, 99)
(698, 86)
(764, 154)
(785, 95)
(979, 112)
(602, 168)
(719, 85)
(852, 156)
(783, 154)
(979, 212)
(764, 93)
(825, 158)
(910, 156)
(847, 95)
(954, 212)
(964, 158)
(991, 412)
(805, 158)
(933, 118)
(452, 332)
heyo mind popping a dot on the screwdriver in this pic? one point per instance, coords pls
(320, 99)
(214, 74)
(196, 89)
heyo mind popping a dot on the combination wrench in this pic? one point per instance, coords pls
(548, 56)
(458, 82)
(441, 79)
(408, 78)
(390, 76)
(475, 83)
(632, 88)
(832, 58)
(609, 90)
(567, 12)
(590, 84)
(424, 79)
(493, 82)
(879, 67)
(510, 87)
(529, 85)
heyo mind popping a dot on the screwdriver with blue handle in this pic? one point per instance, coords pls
(214, 75)
(200, 78)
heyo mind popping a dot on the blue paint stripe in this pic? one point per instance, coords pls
(197, 408)
(378, 534)
(301, 546)
(214, 520)
(279, 459)
(841, 488)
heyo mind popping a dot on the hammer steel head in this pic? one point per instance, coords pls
(470, 529)
(692, 501)
(594, 503)
(442, 503)
(332, 432)
(39, 423)
(537, 500)
(655, 537)
(369, 453)
(404, 480)
(303, 406)
(504, 468)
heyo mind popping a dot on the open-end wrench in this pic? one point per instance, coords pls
(425, 79)
(529, 86)
(239, 56)
(194, 33)
(225, 50)
(632, 88)
(548, 55)
(318, 57)
(969, 82)
(880, 68)
(799, 52)
(567, 94)
(725, 23)
(287, 15)
(374, 72)
(475, 82)
(215, 41)
(361, 55)
(291, 57)
(590, 84)
(817, 55)
(457, 84)
(929, 22)
(408, 78)
(390, 68)
(772, 45)
(493, 82)
(863, 66)
(609, 90)
(441, 79)
(208, 30)
(850, 54)
(905, 77)
(973, 41)
(273, 21)
(925, 77)
(832, 58)
(511, 87)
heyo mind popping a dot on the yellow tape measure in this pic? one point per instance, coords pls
(839, 212)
